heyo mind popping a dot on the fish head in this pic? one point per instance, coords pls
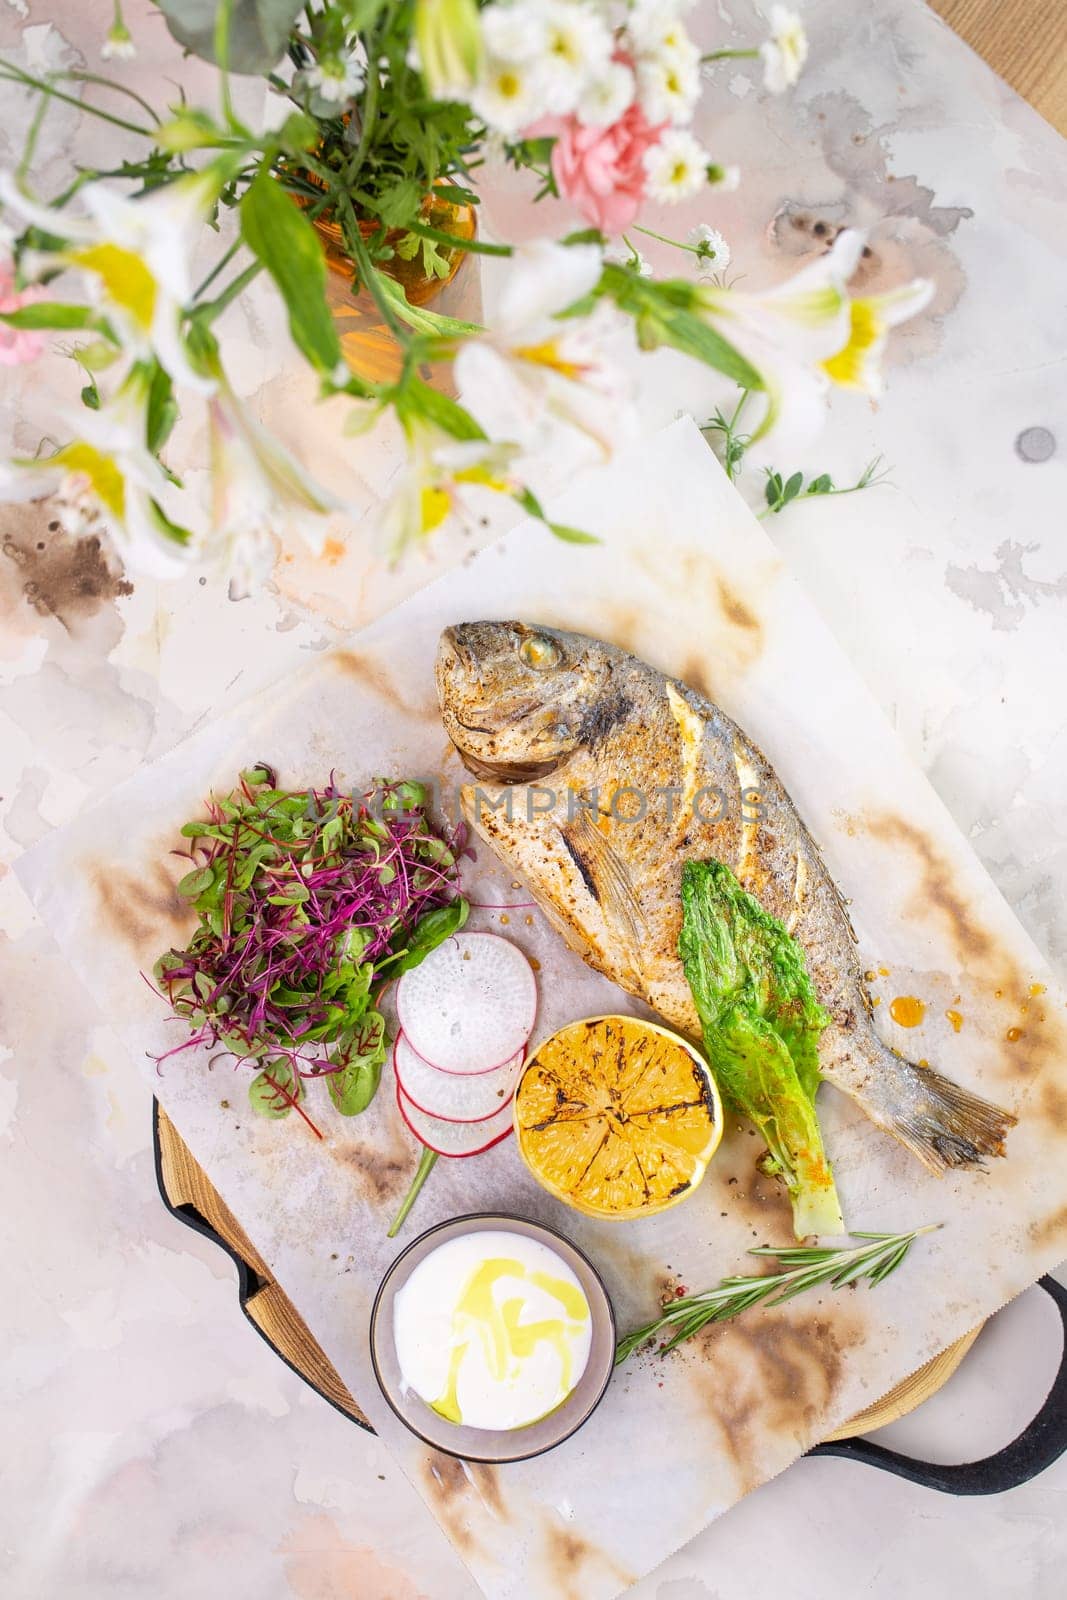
(517, 698)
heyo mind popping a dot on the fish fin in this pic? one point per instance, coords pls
(936, 1119)
(607, 878)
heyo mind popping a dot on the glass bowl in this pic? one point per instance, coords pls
(481, 1444)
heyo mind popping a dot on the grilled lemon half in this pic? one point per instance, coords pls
(617, 1117)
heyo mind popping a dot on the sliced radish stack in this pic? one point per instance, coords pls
(454, 1096)
(454, 1138)
(469, 1006)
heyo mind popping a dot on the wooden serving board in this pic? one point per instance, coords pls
(189, 1193)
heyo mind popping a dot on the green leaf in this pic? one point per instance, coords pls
(353, 1088)
(417, 398)
(792, 487)
(282, 238)
(272, 1091)
(162, 410)
(573, 535)
(90, 396)
(430, 931)
(418, 317)
(194, 883)
(399, 204)
(54, 314)
(259, 30)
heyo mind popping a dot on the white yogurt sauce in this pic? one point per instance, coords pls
(492, 1329)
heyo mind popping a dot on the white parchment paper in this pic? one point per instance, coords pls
(687, 579)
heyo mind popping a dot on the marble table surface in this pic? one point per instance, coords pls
(154, 1446)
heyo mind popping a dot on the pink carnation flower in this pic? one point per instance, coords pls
(601, 170)
(17, 344)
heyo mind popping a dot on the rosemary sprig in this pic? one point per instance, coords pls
(807, 1266)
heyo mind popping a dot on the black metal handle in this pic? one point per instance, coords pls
(1041, 1442)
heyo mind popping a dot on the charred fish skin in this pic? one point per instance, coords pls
(598, 777)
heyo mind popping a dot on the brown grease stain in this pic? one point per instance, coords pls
(937, 890)
(448, 1487)
(373, 676)
(1050, 1228)
(60, 575)
(907, 1011)
(144, 910)
(567, 1556)
(771, 1375)
(382, 1174)
(734, 609)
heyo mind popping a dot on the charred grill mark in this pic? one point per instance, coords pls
(507, 771)
(606, 712)
(580, 862)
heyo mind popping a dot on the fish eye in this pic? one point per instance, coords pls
(540, 652)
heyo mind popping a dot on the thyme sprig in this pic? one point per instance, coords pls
(807, 1267)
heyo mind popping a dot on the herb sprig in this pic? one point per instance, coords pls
(808, 1266)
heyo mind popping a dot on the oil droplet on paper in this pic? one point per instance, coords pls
(956, 1019)
(1036, 989)
(1013, 1035)
(906, 1011)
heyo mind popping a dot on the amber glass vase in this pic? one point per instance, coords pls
(369, 345)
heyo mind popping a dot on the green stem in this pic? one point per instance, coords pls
(367, 271)
(370, 113)
(109, 83)
(427, 1161)
(15, 74)
(477, 246)
(663, 239)
(731, 55)
(222, 59)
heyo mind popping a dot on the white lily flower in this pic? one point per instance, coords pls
(577, 47)
(258, 490)
(448, 46)
(785, 52)
(137, 255)
(857, 365)
(676, 167)
(603, 99)
(712, 251)
(106, 470)
(534, 370)
(337, 78)
(787, 333)
(437, 481)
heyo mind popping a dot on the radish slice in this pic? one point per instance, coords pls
(455, 1138)
(470, 1005)
(454, 1096)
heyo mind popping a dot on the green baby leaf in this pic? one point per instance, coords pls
(282, 238)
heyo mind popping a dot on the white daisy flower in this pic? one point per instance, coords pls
(676, 167)
(655, 29)
(577, 47)
(119, 45)
(712, 251)
(513, 33)
(668, 87)
(604, 98)
(627, 255)
(785, 52)
(507, 96)
(725, 178)
(337, 78)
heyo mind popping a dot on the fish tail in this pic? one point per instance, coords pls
(936, 1119)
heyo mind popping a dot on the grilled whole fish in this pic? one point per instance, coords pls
(598, 777)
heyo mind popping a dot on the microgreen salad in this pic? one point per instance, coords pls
(309, 905)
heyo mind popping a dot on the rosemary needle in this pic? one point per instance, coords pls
(806, 1266)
